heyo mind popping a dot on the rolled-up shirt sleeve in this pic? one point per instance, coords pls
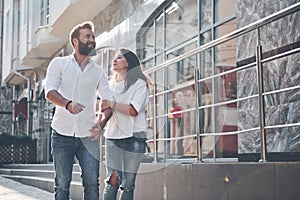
(103, 88)
(140, 98)
(53, 78)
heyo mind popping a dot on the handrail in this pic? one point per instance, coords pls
(259, 61)
(259, 23)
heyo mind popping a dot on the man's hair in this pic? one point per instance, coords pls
(75, 31)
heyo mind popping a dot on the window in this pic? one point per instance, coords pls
(176, 28)
(44, 12)
(104, 58)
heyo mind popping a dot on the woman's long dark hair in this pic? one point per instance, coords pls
(134, 70)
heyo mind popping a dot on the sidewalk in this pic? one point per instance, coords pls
(13, 190)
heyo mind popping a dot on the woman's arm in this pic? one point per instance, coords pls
(126, 109)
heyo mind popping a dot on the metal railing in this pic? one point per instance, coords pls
(260, 95)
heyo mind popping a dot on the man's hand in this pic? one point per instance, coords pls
(96, 131)
(75, 108)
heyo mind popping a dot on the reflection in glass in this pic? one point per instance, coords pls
(224, 8)
(206, 14)
(206, 63)
(181, 21)
(226, 121)
(159, 33)
(147, 64)
(226, 84)
(183, 70)
(148, 43)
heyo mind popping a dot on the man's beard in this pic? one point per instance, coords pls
(84, 49)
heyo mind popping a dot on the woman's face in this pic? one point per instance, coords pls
(119, 64)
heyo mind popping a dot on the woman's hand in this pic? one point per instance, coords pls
(105, 104)
(96, 131)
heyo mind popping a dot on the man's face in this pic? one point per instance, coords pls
(86, 42)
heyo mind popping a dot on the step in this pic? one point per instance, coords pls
(76, 189)
(76, 175)
(76, 167)
(41, 176)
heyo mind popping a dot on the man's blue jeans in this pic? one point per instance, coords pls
(64, 150)
(123, 156)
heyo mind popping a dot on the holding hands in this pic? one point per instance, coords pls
(106, 104)
(96, 131)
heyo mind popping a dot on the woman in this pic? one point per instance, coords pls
(125, 133)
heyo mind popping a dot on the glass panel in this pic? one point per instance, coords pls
(225, 57)
(160, 75)
(206, 63)
(148, 64)
(225, 60)
(206, 14)
(224, 8)
(184, 69)
(181, 21)
(111, 55)
(159, 59)
(148, 43)
(226, 85)
(226, 121)
(205, 37)
(98, 58)
(225, 28)
(206, 100)
(207, 145)
(159, 33)
(182, 125)
(161, 120)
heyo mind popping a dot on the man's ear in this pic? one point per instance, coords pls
(75, 41)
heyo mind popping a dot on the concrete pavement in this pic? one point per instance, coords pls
(13, 190)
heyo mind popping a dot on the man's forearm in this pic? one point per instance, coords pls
(57, 98)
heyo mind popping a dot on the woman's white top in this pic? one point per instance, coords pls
(121, 125)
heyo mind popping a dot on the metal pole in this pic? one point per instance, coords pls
(13, 112)
(197, 118)
(154, 120)
(261, 98)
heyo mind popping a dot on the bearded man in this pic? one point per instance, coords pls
(72, 84)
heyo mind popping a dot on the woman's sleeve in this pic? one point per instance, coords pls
(140, 97)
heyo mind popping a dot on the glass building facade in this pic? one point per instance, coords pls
(210, 105)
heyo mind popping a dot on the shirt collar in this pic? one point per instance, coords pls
(72, 56)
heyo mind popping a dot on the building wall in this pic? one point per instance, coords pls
(211, 181)
(7, 34)
(281, 108)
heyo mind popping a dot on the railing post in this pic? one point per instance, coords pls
(154, 119)
(197, 118)
(261, 98)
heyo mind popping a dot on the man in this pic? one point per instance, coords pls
(72, 84)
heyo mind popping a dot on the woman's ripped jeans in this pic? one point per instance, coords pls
(123, 157)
